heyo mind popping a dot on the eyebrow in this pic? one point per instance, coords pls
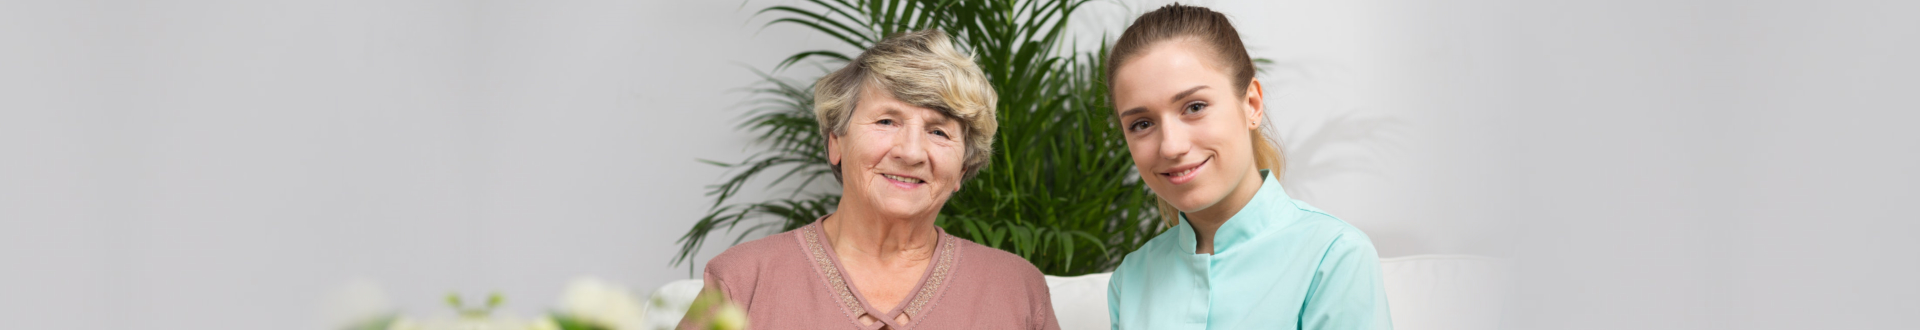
(1189, 91)
(930, 121)
(938, 120)
(1176, 98)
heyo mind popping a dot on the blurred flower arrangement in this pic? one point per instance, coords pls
(587, 304)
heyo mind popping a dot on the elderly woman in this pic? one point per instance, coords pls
(906, 122)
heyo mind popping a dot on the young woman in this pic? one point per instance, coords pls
(1241, 254)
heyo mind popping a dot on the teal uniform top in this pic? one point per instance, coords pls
(1277, 264)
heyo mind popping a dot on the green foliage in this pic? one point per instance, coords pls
(459, 305)
(569, 322)
(377, 322)
(1060, 189)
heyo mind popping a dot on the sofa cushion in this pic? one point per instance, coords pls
(1445, 292)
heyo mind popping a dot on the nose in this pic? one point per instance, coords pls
(1174, 140)
(909, 148)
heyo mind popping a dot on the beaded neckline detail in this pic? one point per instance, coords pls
(941, 268)
(944, 260)
(838, 284)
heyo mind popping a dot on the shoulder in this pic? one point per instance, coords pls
(749, 259)
(1338, 233)
(996, 261)
(1167, 240)
(1002, 274)
(1154, 249)
(988, 288)
(1344, 242)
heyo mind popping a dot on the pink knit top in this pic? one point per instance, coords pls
(793, 280)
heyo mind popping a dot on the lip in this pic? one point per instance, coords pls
(1183, 179)
(903, 184)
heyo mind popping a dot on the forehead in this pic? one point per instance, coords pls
(876, 101)
(1163, 70)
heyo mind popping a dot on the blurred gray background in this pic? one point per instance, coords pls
(240, 164)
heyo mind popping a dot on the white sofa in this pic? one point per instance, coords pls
(1425, 292)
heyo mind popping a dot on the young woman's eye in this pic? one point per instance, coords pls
(1140, 125)
(1196, 107)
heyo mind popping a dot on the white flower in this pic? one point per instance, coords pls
(670, 302)
(405, 324)
(359, 303)
(543, 323)
(729, 317)
(603, 303)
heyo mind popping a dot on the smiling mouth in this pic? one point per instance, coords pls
(1184, 175)
(903, 179)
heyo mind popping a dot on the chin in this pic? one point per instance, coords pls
(1192, 203)
(901, 212)
(1196, 197)
(900, 208)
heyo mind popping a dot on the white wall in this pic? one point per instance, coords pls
(208, 164)
(1648, 164)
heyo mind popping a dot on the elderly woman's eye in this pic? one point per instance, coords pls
(942, 133)
(888, 122)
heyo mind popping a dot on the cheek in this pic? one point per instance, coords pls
(871, 148)
(1227, 132)
(1144, 150)
(950, 161)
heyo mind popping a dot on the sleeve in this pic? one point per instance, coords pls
(1043, 308)
(1113, 300)
(1347, 290)
(695, 318)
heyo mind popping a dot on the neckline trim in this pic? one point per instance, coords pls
(1266, 210)
(932, 281)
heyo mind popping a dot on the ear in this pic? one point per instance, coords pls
(833, 149)
(1256, 104)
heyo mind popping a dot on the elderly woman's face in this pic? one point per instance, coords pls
(898, 159)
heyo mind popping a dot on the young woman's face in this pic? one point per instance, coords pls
(900, 160)
(1188, 127)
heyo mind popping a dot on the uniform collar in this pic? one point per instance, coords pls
(1268, 209)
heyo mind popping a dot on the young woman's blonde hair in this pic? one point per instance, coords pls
(921, 68)
(1211, 28)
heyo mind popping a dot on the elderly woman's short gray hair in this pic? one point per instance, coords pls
(923, 69)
